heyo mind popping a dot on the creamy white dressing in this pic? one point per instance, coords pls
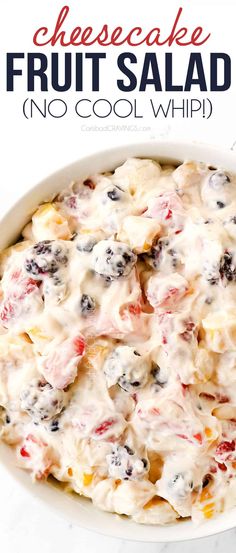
(118, 341)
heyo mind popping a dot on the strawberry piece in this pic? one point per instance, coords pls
(209, 397)
(225, 447)
(24, 452)
(79, 345)
(89, 183)
(169, 214)
(7, 311)
(103, 427)
(222, 467)
(198, 437)
(134, 309)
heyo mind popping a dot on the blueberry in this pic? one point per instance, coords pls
(54, 426)
(156, 374)
(174, 257)
(46, 258)
(218, 180)
(181, 485)
(176, 477)
(56, 279)
(109, 251)
(208, 300)
(135, 384)
(41, 401)
(220, 205)
(153, 257)
(227, 267)
(213, 280)
(33, 268)
(127, 369)
(7, 419)
(114, 195)
(129, 450)
(206, 480)
(43, 247)
(113, 259)
(211, 271)
(125, 464)
(155, 371)
(87, 304)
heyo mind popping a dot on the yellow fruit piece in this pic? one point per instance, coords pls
(87, 479)
(93, 352)
(26, 337)
(188, 174)
(117, 483)
(70, 472)
(205, 494)
(86, 231)
(147, 246)
(190, 291)
(208, 510)
(156, 466)
(220, 331)
(48, 224)
(139, 232)
(208, 432)
(37, 333)
(152, 502)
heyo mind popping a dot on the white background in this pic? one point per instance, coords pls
(31, 149)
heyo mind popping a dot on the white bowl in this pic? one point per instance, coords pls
(77, 509)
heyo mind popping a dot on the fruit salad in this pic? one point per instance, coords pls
(118, 341)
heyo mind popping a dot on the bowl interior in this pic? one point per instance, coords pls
(77, 509)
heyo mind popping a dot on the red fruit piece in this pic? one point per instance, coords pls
(222, 467)
(134, 309)
(89, 183)
(188, 333)
(204, 395)
(16, 274)
(184, 437)
(71, 202)
(222, 398)
(7, 311)
(28, 286)
(79, 345)
(198, 437)
(225, 447)
(155, 411)
(104, 426)
(169, 214)
(24, 452)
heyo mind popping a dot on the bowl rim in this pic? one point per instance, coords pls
(177, 151)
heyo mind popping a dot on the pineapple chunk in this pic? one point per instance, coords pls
(220, 331)
(87, 479)
(139, 232)
(189, 173)
(49, 224)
